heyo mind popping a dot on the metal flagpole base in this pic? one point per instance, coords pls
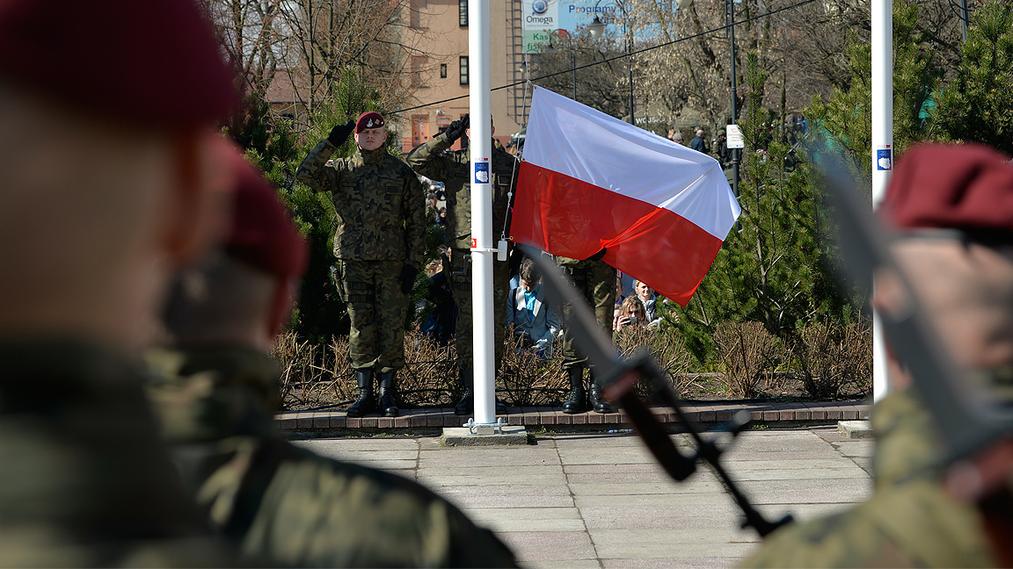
(484, 434)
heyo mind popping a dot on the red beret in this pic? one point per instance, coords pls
(967, 187)
(146, 62)
(371, 119)
(262, 234)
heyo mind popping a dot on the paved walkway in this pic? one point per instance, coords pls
(598, 500)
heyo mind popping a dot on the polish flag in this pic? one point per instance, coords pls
(589, 180)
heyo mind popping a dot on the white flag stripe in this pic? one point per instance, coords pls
(580, 142)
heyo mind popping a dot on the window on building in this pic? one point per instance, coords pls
(464, 69)
(443, 71)
(462, 13)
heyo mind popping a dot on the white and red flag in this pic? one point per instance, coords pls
(590, 181)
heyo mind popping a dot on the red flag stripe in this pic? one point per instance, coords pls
(569, 217)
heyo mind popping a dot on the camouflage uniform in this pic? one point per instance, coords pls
(287, 504)
(434, 160)
(908, 522)
(380, 228)
(85, 479)
(596, 281)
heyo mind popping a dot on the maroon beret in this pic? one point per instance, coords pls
(146, 62)
(371, 119)
(967, 187)
(262, 234)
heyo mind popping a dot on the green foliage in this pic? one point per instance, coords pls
(847, 115)
(977, 106)
(773, 267)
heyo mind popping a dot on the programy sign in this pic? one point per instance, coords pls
(540, 19)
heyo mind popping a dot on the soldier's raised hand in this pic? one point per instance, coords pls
(339, 134)
(457, 128)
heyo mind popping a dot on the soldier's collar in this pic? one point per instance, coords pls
(372, 156)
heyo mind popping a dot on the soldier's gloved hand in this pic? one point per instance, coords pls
(408, 274)
(457, 128)
(339, 134)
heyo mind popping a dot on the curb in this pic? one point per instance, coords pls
(708, 414)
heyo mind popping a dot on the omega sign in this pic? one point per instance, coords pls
(538, 15)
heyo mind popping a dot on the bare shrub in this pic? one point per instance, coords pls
(527, 379)
(748, 352)
(834, 359)
(668, 351)
(429, 377)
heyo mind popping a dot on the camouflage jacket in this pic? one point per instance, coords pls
(908, 522)
(284, 503)
(85, 479)
(379, 201)
(434, 160)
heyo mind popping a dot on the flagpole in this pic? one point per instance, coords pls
(481, 214)
(882, 151)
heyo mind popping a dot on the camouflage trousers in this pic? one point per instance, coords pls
(460, 281)
(377, 309)
(596, 282)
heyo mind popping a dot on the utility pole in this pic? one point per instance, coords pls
(482, 248)
(882, 151)
(965, 20)
(730, 11)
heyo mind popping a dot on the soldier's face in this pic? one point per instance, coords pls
(371, 138)
(967, 293)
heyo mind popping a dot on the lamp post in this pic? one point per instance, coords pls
(597, 29)
(730, 11)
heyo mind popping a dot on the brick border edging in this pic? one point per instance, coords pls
(706, 413)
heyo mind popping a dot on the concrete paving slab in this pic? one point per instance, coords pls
(392, 465)
(361, 455)
(595, 441)
(476, 501)
(856, 448)
(568, 564)
(504, 477)
(503, 457)
(524, 525)
(647, 500)
(507, 490)
(855, 429)
(359, 444)
(690, 563)
(743, 474)
(807, 491)
(633, 489)
(616, 455)
(550, 546)
(494, 514)
(671, 544)
(511, 469)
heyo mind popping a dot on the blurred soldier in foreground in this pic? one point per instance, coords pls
(953, 209)
(108, 186)
(379, 244)
(596, 282)
(217, 394)
(435, 160)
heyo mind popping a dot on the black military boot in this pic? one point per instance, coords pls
(388, 395)
(576, 402)
(365, 403)
(597, 402)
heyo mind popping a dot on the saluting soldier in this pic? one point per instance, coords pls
(435, 160)
(379, 244)
(217, 392)
(107, 186)
(953, 208)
